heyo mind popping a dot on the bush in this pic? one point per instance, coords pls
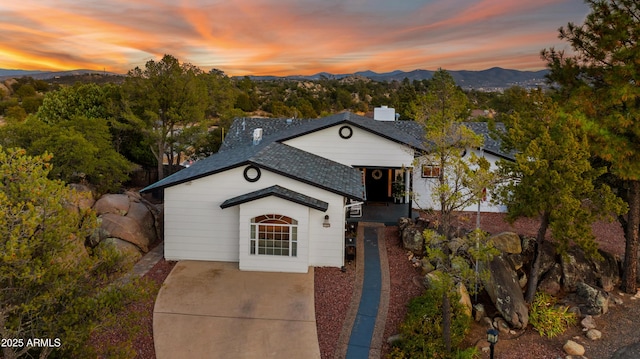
(421, 330)
(548, 318)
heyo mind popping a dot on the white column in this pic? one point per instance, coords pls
(407, 183)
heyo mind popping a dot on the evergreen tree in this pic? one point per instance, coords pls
(552, 180)
(52, 286)
(601, 78)
(459, 182)
(165, 99)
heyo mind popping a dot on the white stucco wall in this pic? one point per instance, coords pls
(363, 148)
(197, 228)
(423, 188)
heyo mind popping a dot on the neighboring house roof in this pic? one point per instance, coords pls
(283, 129)
(279, 158)
(280, 192)
(491, 143)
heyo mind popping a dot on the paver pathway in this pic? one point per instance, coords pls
(364, 326)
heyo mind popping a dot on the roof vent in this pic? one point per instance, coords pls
(257, 136)
(384, 113)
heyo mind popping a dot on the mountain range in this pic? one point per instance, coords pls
(490, 79)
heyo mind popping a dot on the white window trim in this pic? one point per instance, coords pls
(273, 245)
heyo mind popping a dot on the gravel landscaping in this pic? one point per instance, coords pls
(334, 288)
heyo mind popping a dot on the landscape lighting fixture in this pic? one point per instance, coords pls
(492, 338)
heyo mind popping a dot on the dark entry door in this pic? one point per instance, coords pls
(377, 182)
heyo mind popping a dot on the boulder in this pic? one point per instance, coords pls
(457, 245)
(588, 322)
(593, 300)
(4, 91)
(501, 324)
(112, 203)
(594, 334)
(548, 259)
(426, 265)
(480, 312)
(504, 290)
(403, 223)
(430, 278)
(130, 251)
(145, 218)
(85, 200)
(412, 240)
(576, 267)
(125, 228)
(516, 260)
(507, 242)
(573, 348)
(607, 271)
(465, 299)
(98, 235)
(551, 281)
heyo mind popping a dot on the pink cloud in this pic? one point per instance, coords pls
(281, 37)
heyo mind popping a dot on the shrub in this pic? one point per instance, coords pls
(548, 318)
(421, 330)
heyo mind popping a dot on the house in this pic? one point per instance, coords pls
(276, 195)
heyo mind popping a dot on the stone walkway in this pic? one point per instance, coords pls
(363, 330)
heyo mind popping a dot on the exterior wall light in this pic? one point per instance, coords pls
(326, 223)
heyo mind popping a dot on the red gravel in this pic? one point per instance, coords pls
(401, 287)
(333, 291)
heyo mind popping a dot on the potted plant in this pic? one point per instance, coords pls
(398, 190)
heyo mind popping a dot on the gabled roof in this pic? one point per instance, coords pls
(410, 133)
(278, 158)
(282, 129)
(280, 192)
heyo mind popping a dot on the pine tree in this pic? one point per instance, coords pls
(552, 179)
(460, 181)
(601, 78)
(52, 287)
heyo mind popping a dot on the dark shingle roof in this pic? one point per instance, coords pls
(410, 133)
(280, 192)
(491, 143)
(238, 149)
(281, 129)
(279, 158)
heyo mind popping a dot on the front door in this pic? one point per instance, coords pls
(378, 184)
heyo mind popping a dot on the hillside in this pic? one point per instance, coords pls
(495, 78)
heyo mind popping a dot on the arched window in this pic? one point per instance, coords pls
(275, 235)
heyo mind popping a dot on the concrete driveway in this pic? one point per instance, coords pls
(214, 310)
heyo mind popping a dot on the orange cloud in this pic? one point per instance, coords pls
(282, 36)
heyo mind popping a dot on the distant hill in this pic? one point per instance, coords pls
(47, 75)
(5, 73)
(493, 78)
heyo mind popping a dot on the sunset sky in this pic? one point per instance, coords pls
(283, 37)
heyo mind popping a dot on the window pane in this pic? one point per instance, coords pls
(294, 249)
(273, 234)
